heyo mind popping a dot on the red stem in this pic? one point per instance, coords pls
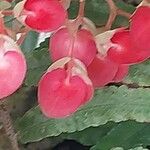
(123, 13)
(114, 11)
(24, 32)
(7, 12)
(73, 29)
(80, 16)
(81, 9)
(112, 15)
(2, 26)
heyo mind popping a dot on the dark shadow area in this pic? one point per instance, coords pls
(70, 145)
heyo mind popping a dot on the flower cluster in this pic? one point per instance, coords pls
(83, 59)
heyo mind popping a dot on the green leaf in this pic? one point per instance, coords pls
(126, 135)
(117, 148)
(30, 41)
(137, 148)
(89, 136)
(139, 74)
(98, 11)
(123, 135)
(4, 5)
(109, 104)
(38, 61)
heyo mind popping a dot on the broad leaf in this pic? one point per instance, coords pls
(4, 5)
(139, 74)
(91, 135)
(137, 148)
(126, 135)
(109, 104)
(30, 41)
(38, 61)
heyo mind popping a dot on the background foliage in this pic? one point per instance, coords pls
(117, 118)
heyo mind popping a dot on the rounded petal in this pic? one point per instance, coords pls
(140, 28)
(12, 72)
(101, 71)
(84, 45)
(45, 15)
(12, 67)
(58, 99)
(124, 51)
(121, 73)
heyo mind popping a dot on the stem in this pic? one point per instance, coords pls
(7, 124)
(80, 16)
(76, 24)
(81, 9)
(71, 46)
(112, 15)
(23, 36)
(2, 27)
(114, 11)
(70, 65)
(72, 34)
(73, 29)
(123, 13)
(7, 12)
